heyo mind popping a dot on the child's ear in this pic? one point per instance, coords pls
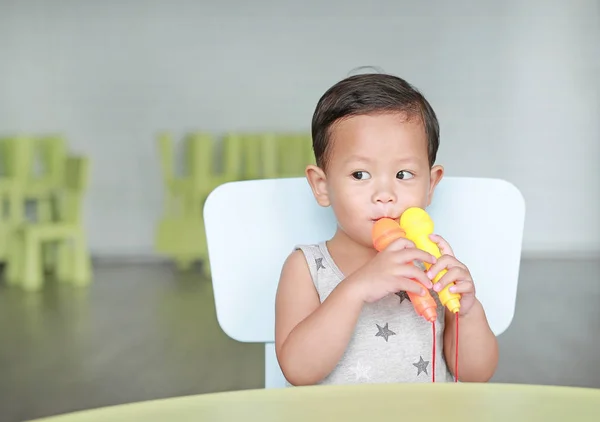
(437, 172)
(318, 183)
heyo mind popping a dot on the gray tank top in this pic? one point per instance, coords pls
(391, 343)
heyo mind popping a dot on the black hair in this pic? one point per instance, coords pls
(366, 94)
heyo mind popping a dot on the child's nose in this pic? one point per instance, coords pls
(384, 196)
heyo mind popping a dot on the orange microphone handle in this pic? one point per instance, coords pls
(425, 306)
(385, 231)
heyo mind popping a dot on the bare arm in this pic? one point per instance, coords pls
(310, 337)
(477, 345)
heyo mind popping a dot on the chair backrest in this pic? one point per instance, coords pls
(76, 181)
(15, 158)
(52, 152)
(252, 226)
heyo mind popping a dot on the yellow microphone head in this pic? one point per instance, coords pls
(415, 221)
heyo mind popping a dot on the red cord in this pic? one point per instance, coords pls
(456, 350)
(433, 366)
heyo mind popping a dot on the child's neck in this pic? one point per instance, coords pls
(348, 254)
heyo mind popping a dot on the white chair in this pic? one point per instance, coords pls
(252, 226)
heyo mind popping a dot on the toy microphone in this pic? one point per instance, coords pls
(417, 225)
(385, 231)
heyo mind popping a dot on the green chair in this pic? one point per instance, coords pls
(49, 154)
(239, 156)
(180, 231)
(46, 157)
(73, 265)
(252, 156)
(14, 153)
(294, 153)
(247, 156)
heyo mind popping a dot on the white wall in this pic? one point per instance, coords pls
(516, 87)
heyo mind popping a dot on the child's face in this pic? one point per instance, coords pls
(378, 167)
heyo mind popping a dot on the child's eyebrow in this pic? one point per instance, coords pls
(357, 157)
(364, 159)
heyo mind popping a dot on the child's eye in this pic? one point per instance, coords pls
(403, 175)
(361, 175)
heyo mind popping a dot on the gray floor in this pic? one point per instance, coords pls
(144, 332)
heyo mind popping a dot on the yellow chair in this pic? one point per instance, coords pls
(25, 257)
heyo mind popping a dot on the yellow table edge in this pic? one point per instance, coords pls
(251, 394)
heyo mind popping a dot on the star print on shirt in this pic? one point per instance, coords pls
(384, 332)
(403, 296)
(319, 262)
(421, 365)
(361, 372)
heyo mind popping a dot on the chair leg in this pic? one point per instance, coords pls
(184, 263)
(64, 261)
(82, 265)
(32, 263)
(44, 215)
(14, 259)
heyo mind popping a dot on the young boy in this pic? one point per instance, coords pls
(342, 312)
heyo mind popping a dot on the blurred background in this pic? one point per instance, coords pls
(115, 106)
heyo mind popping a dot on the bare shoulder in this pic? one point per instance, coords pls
(295, 265)
(295, 278)
(296, 296)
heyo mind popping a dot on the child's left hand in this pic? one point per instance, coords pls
(457, 273)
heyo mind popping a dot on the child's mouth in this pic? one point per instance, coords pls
(374, 220)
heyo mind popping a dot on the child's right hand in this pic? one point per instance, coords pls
(392, 270)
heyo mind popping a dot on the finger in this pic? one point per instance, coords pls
(410, 255)
(412, 272)
(453, 274)
(400, 243)
(409, 285)
(445, 262)
(444, 247)
(463, 286)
